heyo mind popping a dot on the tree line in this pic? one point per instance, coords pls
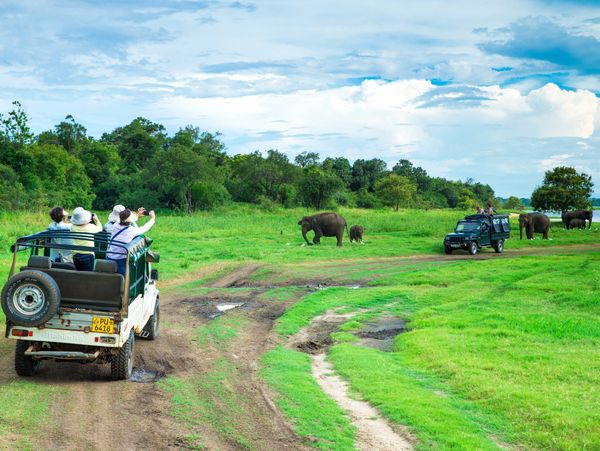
(140, 164)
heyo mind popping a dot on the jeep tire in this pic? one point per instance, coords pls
(499, 246)
(472, 247)
(153, 323)
(24, 365)
(447, 249)
(121, 364)
(30, 298)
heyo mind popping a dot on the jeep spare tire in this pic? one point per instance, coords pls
(30, 298)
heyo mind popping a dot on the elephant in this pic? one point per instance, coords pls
(356, 233)
(323, 224)
(586, 215)
(577, 223)
(534, 222)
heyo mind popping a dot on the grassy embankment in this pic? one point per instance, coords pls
(499, 351)
(243, 234)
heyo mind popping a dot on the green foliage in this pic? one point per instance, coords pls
(100, 160)
(365, 199)
(316, 187)
(563, 189)
(366, 172)
(208, 196)
(514, 203)
(395, 191)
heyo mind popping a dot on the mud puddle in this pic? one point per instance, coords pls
(316, 337)
(213, 308)
(381, 334)
(144, 376)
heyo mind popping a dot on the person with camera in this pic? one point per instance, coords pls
(124, 232)
(60, 223)
(87, 222)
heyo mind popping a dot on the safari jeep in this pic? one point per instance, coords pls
(57, 313)
(477, 231)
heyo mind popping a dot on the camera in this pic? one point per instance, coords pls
(146, 212)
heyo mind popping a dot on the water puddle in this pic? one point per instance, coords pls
(144, 376)
(380, 334)
(225, 307)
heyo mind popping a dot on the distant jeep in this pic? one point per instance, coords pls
(477, 231)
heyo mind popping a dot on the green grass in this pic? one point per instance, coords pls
(512, 344)
(220, 331)
(25, 405)
(315, 416)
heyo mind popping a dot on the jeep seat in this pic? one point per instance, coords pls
(101, 290)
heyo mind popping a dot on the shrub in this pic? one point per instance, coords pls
(208, 196)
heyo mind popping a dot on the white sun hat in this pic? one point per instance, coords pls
(114, 214)
(80, 216)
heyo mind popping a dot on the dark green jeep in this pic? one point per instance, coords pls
(477, 231)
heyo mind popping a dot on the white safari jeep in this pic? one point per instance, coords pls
(55, 312)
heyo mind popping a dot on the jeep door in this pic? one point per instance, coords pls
(484, 237)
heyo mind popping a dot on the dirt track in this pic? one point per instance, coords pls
(92, 412)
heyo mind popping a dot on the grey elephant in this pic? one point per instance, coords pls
(323, 224)
(356, 233)
(585, 215)
(534, 223)
(577, 224)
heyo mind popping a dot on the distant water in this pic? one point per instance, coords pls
(556, 214)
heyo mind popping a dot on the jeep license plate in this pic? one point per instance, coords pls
(103, 325)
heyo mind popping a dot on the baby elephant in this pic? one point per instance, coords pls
(356, 233)
(574, 224)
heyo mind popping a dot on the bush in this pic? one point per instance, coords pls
(266, 203)
(365, 199)
(208, 196)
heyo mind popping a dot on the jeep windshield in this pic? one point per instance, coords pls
(463, 227)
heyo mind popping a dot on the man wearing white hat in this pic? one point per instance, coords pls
(113, 218)
(124, 232)
(84, 221)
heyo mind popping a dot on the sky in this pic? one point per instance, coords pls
(499, 92)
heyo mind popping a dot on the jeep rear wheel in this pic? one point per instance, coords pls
(30, 298)
(24, 365)
(153, 323)
(499, 246)
(472, 248)
(121, 365)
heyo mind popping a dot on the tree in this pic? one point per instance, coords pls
(306, 159)
(316, 187)
(514, 203)
(101, 160)
(15, 126)
(414, 173)
(563, 189)
(172, 173)
(137, 142)
(366, 172)
(68, 134)
(339, 166)
(395, 190)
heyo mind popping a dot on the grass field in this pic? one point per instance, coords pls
(498, 352)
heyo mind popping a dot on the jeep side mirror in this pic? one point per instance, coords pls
(154, 274)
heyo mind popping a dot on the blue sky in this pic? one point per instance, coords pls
(495, 91)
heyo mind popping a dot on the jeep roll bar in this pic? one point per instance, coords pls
(45, 240)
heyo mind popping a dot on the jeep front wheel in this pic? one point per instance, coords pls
(499, 246)
(447, 249)
(24, 365)
(121, 365)
(30, 298)
(472, 248)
